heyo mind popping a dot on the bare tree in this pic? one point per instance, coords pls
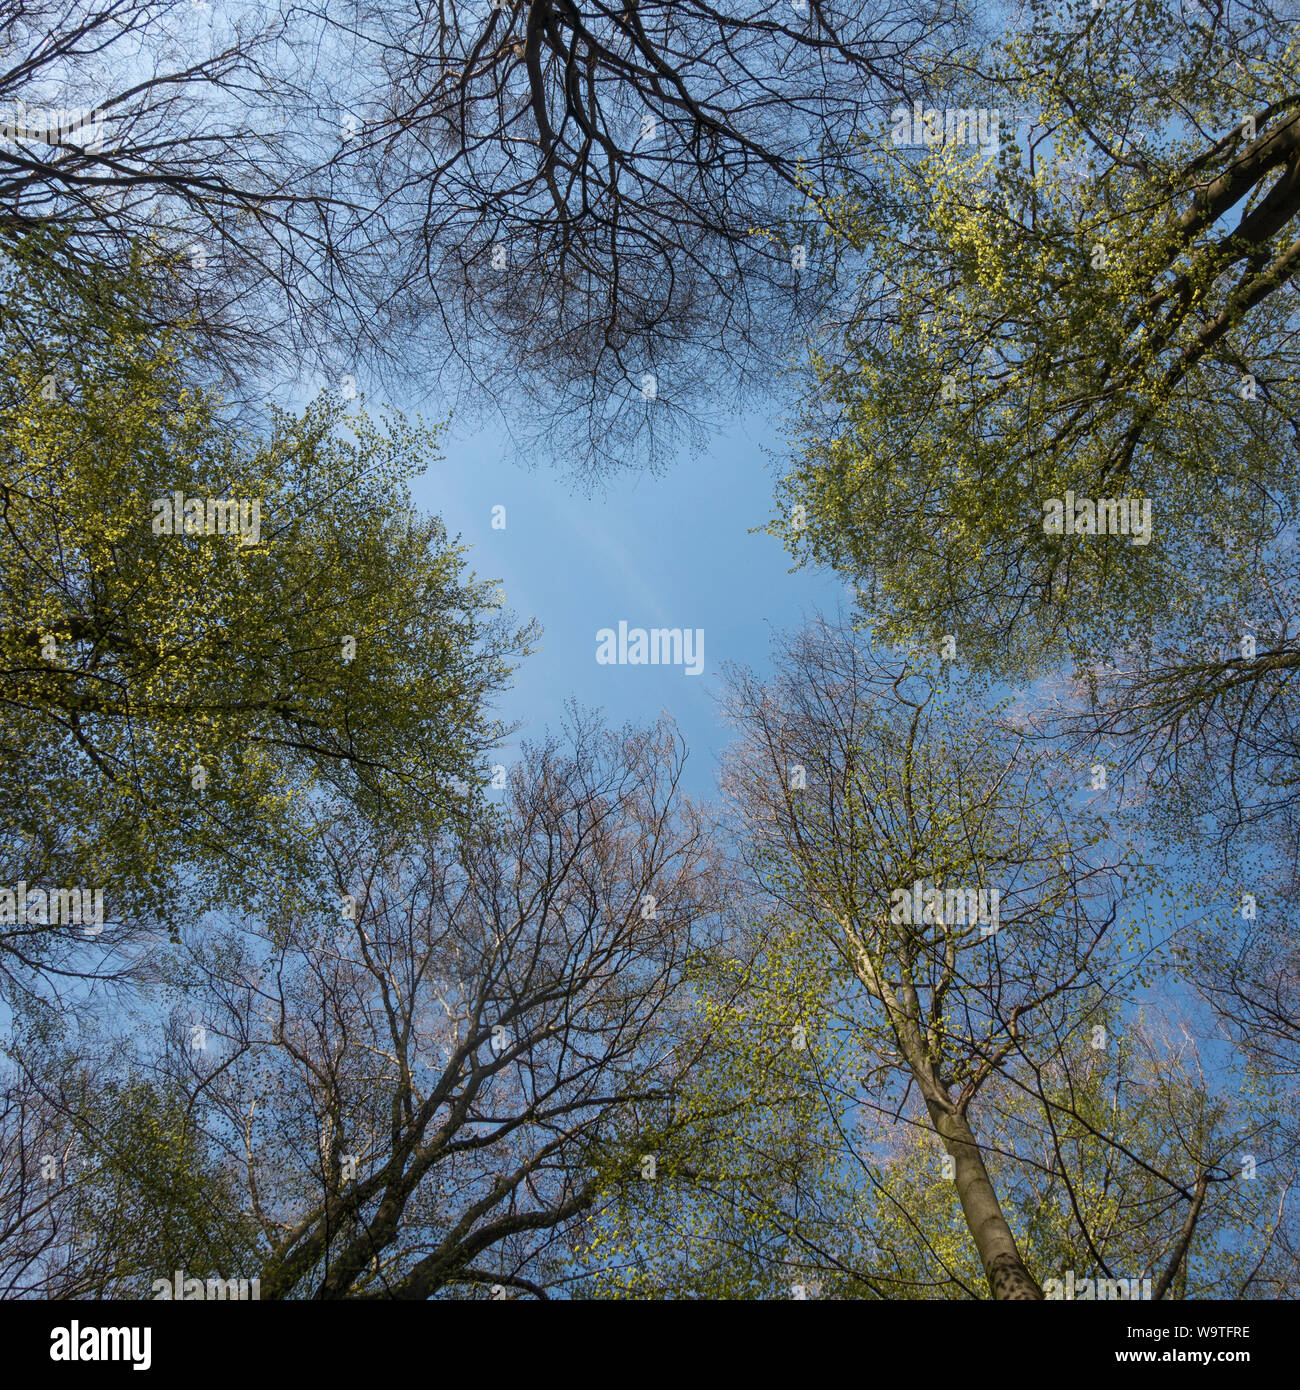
(180, 131)
(1251, 979)
(432, 1092)
(34, 1148)
(597, 209)
(1201, 717)
(603, 209)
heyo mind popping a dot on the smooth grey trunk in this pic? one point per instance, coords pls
(1006, 1272)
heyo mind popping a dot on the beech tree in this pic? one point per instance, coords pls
(595, 211)
(1121, 1162)
(1102, 309)
(179, 128)
(862, 787)
(425, 1086)
(1198, 719)
(106, 1181)
(179, 690)
(910, 1113)
(600, 211)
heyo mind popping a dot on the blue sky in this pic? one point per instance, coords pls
(671, 550)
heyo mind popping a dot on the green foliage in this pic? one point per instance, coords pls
(180, 707)
(758, 1201)
(1070, 316)
(150, 1195)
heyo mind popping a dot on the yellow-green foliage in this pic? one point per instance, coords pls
(130, 660)
(148, 1195)
(757, 1192)
(1046, 336)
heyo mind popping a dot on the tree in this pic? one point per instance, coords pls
(107, 1180)
(34, 1143)
(762, 1199)
(429, 1095)
(183, 684)
(166, 125)
(600, 210)
(336, 185)
(1100, 312)
(970, 896)
(1124, 1166)
(1199, 720)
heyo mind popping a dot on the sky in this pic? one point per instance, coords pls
(666, 550)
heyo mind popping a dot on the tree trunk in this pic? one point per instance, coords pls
(1006, 1272)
